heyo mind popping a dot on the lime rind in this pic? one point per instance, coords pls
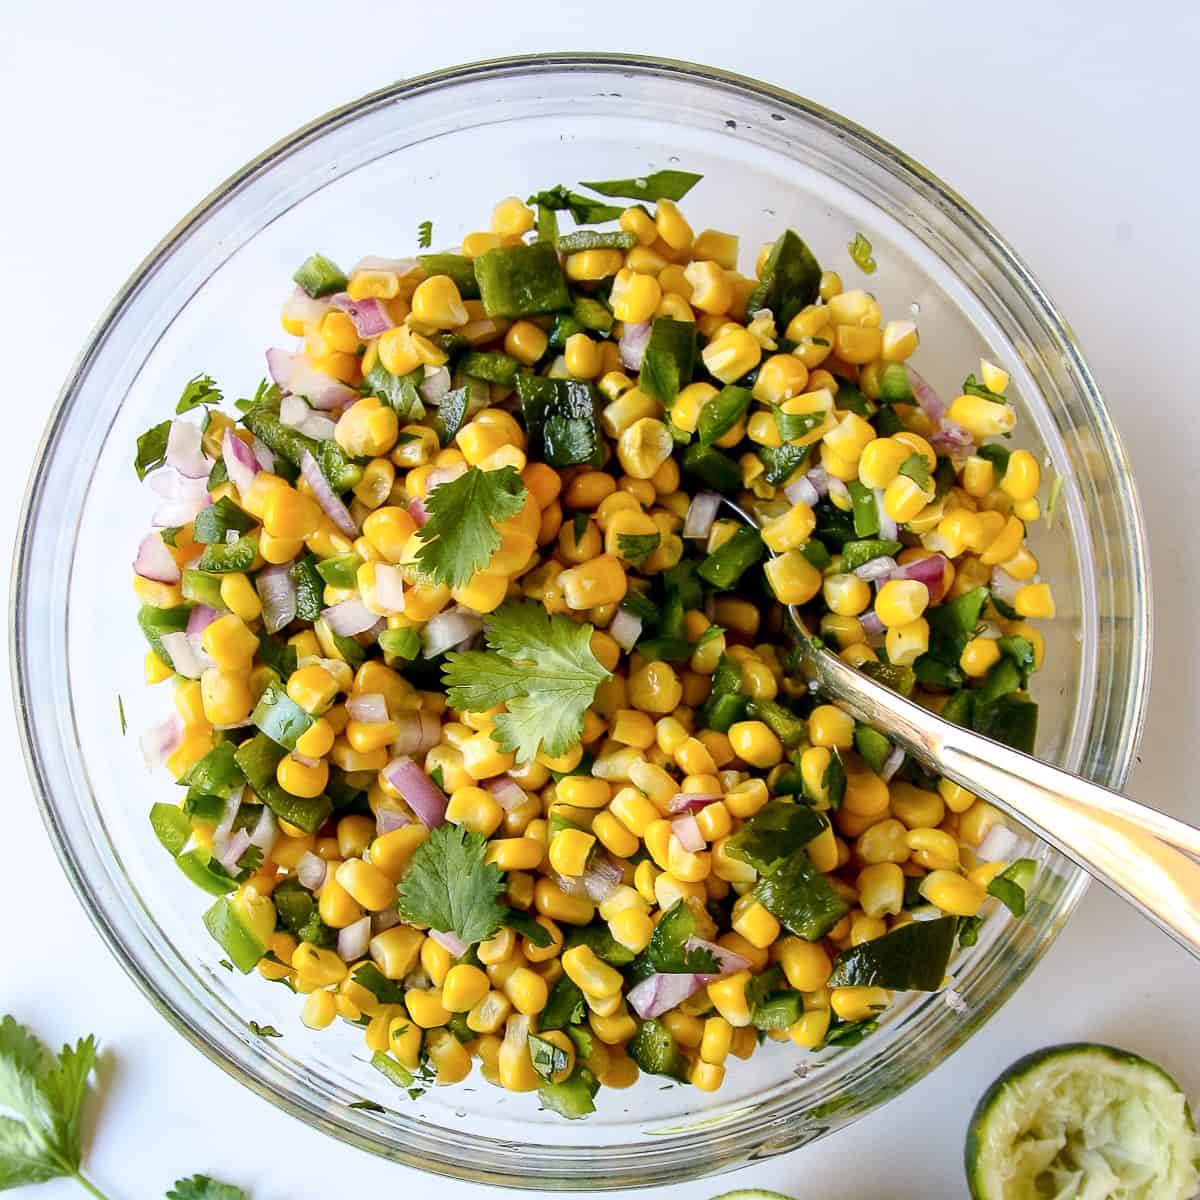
(1083, 1122)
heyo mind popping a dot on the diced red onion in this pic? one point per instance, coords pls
(924, 394)
(240, 463)
(435, 385)
(388, 819)
(729, 961)
(408, 732)
(154, 560)
(686, 830)
(300, 306)
(161, 741)
(295, 413)
(625, 629)
(1004, 585)
(263, 454)
(447, 629)
(838, 488)
(660, 993)
(293, 374)
(701, 514)
(887, 526)
(450, 942)
(872, 626)
(601, 879)
(370, 315)
(389, 587)
(420, 793)
(232, 849)
(186, 657)
(396, 266)
(327, 498)
(821, 480)
(691, 802)
(199, 619)
(386, 919)
(571, 884)
(929, 570)
(952, 440)
(416, 510)
(440, 475)
(632, 344)
(802, 491)
(354, 940)
(185, 452)
(880, 568)
(349, 617)
(277, 591)
(892, 763)
(998, 844)
(225, 826)
(508, 793)
(186, 498)
(431, 731)
(369, 708)
(311, 871)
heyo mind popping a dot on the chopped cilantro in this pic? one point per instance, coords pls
(121, 713)
(266, 1031)
(971, 387)
(460, 535)
(637, 547)
(384, 990)
(669, 952)
(425, 234)
(152, 449)
(367, 1106)
(169, 535)
(200, 389)
(585, 209)
(202, 1187)
(540, 666)
(658, 185)
(916, 468)
(1011, 886)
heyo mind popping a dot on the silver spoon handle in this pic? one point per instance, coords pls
(1140, 853)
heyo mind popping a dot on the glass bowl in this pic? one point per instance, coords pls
(445, 147)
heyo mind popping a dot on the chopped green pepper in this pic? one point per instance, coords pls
(521, 281)
(669, 359)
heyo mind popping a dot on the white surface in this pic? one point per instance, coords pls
(1068, 125)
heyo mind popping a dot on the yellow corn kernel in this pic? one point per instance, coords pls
(880, 889)
(437, 302)
(906, 643)
(593, 265)
(730, 355)
(857, 344)
(367, 428)
(900, 340)
(754, 922)
(953, 893)
(600, 581)
(934, 849)
(569, 851)
(633, 810)
(644, 446)
(319, 1010)
(392, 852)
(226, 697)
(301, 779)
(589, 973)
(846, 595)
(551, 901)
(790, 530)
(806, 965)
(979, 655)
(482, 758)
(831, 727)
(632, 728)
(634, 296)
(1033, 600)
(728, 996)
(754, 743)
(671, 226)
(464, 987)
(881, 460)
(1023, 476)
(901, 601)
(323, 967)
(367, 884)
(793, 579)
(810, 1030)
(230, 643)
(858, 1003)
(711, 290)
(981, 417)
(639, 222)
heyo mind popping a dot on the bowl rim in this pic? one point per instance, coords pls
(567, 62)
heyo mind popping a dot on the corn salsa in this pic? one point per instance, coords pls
(487, 728)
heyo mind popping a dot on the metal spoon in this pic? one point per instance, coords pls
(1146, 857)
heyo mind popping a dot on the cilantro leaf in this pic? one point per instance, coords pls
(200, 389)
(461, 535)
(43, 1140)
(152, 449)
(121, 714)
(637, 547)
(378, 984)
(399, 392)
(449, 886)
(860, 251)
(264, 1031)
(1011, 886)
(547, 1058)
(425, 234)
(540, 666)
(658, 185)
(201, 1187)
(916, 468)
(775, 831)
(367, 1106)
(585, 209)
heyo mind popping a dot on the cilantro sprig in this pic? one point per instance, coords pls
(449, 886)
(540, 666)
(43, 1138)
(460, 535)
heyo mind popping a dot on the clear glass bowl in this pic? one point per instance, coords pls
(445, 147)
